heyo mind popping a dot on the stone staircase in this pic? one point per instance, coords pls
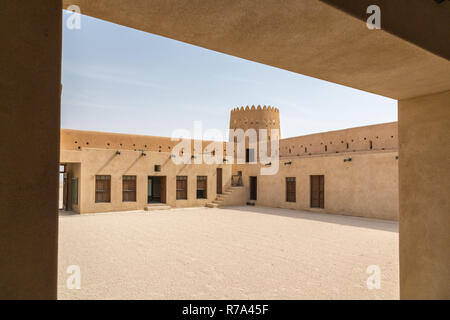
(157, 206)
(221, 198)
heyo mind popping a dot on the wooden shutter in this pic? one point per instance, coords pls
(181, 188)
(129, 188)
(102, 188)
(202, 187)
(291, 189)
(322, 192)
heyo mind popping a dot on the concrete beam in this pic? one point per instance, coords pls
(424, 23)
(309, 37)
(30, 80)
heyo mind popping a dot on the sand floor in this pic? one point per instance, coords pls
(227, 253)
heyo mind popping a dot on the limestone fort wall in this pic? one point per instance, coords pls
(366, 186)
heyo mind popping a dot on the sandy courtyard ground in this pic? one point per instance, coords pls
(232, 253)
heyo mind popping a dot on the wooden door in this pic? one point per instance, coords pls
(291, 189)
(318, 191)
(253, 188)
(219, 181)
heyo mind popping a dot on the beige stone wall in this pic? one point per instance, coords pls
(375, 137)
(80, 139)
(129, 162)
(366, 187)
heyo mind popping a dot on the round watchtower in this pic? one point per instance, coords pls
(266, 117)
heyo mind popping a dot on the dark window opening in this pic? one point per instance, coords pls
(249, 155)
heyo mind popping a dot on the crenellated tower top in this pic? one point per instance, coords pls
(265, 117)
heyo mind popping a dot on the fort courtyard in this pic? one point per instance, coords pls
(249, 252)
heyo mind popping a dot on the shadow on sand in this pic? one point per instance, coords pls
(359, 222)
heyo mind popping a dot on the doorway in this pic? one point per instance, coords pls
(64, 191)
(318, 192)
(219, 181)
(156, 189)
(253, 188)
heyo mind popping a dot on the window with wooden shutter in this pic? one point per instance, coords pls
(129, 188)
(317, 192)
(102, 189)
(181, 188)
(290, 190)
(202, 187)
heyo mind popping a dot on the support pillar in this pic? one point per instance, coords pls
(424, 171)
(30, 84)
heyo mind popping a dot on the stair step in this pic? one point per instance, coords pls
(218, 201)
(153, 207)
(212, 205)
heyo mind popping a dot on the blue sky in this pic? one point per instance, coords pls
(118, 79)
